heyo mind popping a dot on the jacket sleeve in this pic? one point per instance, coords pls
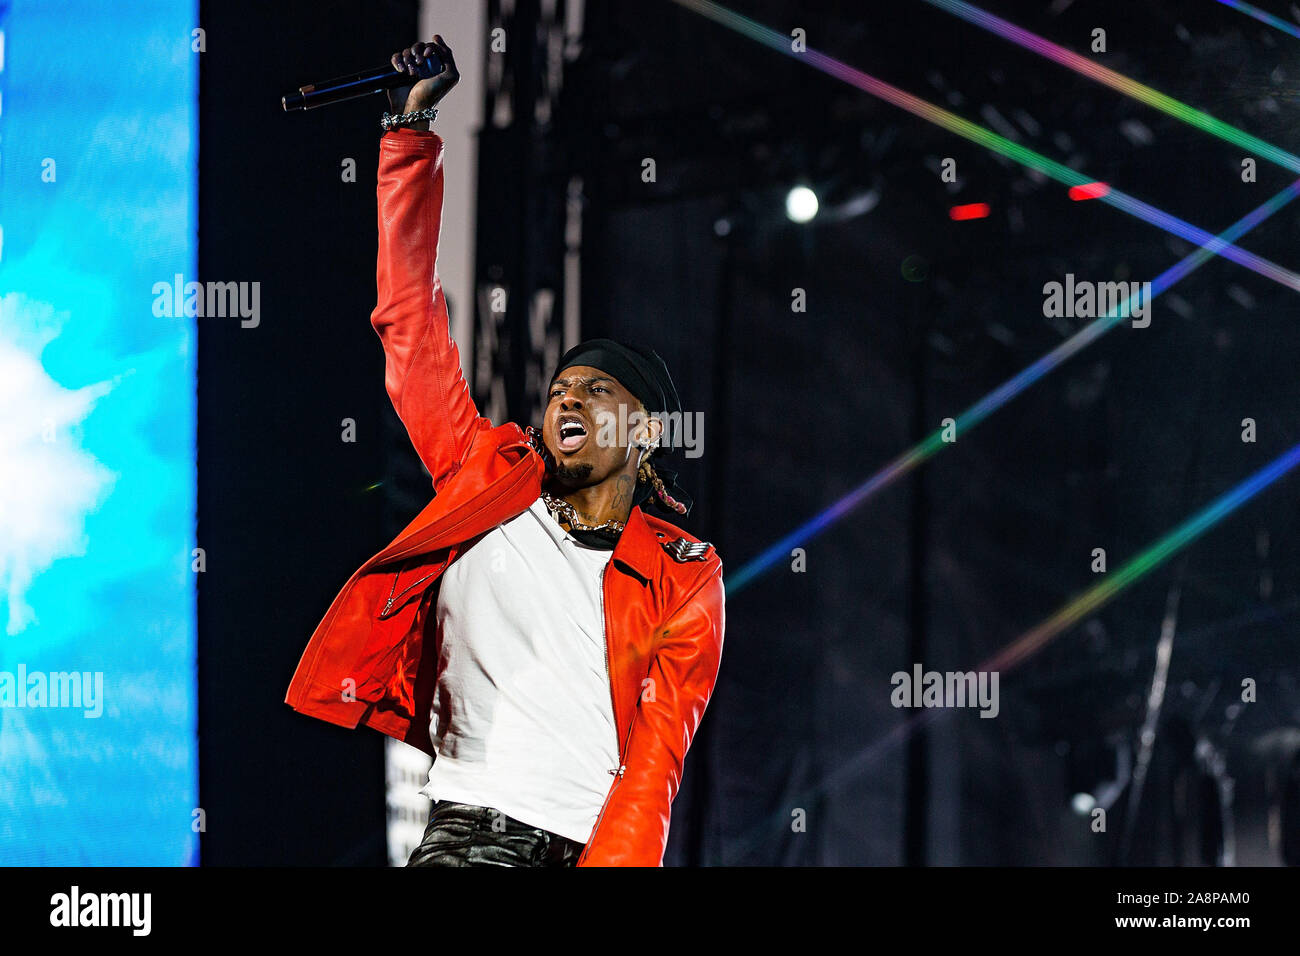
(421, 362)
(634, 830)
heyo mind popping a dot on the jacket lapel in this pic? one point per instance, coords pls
(638, 546)
(508, 480)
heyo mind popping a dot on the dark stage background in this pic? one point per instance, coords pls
(911, 317)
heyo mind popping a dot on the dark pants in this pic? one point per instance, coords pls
(463, 835)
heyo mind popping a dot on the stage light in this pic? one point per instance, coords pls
(1088, 191)
(974, 210)
(901, 465)
(801, 204)
(1083, 803)
(1209, 246)
(1014, 151)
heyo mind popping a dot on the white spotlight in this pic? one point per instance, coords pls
(801, 204)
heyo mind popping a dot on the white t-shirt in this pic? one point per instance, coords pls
(522, 718)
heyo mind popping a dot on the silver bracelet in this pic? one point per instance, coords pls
(401, 119)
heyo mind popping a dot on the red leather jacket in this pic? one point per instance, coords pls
(368, 661)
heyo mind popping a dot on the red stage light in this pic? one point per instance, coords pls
(1088, 191)
(975, 210)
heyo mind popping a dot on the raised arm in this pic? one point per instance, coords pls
(422, 370)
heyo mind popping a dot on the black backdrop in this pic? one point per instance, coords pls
(284, 514)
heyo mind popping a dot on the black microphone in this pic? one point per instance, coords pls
(354, 85)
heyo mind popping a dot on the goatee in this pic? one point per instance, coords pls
(572, 474)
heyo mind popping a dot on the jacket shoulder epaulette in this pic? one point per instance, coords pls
(677, 544)
(684, 549)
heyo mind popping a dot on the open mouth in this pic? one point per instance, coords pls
(571, 432)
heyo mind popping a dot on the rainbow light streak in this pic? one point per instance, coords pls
(1117, 81)
(995, 399)
(1034, 640)
(1150, 559)
(1263, 16)
(991, 140)
(905, 462)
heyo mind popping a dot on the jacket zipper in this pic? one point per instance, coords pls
(609, 675)
(393, 597)
(523, 476)
(622, 750)
(618, 775)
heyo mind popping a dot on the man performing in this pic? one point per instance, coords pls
(574, 638)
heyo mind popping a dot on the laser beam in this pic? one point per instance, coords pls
(989, 139)
(1119, 82)
(1139, 567)
(1035, 639)
(904, 463)
(1263, 16)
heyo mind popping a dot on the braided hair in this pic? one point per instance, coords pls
(646, 475)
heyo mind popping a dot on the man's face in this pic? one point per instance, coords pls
(581, 404)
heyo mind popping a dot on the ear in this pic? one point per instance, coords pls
(649, 430)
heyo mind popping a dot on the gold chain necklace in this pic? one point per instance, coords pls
(570, 514)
